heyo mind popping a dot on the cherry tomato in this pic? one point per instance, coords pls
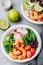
(33, 51)
(28, 48)
(29, 54)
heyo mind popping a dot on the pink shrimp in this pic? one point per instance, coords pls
(12, 55)
(40, 17)
(12, 31)
(23, 55)
(36, 15)
(16, 52)
(32, 15)
(18, 41)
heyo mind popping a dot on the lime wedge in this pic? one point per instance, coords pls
(3, 24)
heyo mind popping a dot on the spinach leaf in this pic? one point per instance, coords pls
(25, 40)
(8, 49)
(31, 36)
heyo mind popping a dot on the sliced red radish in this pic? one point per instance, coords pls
(17, 35)
(23, 31)
(19, 30)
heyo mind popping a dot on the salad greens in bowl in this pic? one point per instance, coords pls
(32, 10)
(21, 43)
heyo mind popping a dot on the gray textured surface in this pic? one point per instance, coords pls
(16, 4)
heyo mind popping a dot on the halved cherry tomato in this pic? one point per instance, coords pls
(28, 48)
(33, 51)
(29, 54)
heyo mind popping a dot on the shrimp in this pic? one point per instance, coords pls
(32, 15)
(18, 41)
(16, 52)
(23, 55)
(22, 45)
(41, 17)
(36, 15)
(12, 55)
(12, 31)
(18, 45)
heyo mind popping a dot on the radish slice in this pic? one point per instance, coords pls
(23, 31)
(19, 30)
(16, 35)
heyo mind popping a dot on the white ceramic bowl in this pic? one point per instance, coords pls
(30, 20)
(6, 4)
(15, 27)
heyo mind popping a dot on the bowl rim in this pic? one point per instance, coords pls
(25, 60)
(30, 20)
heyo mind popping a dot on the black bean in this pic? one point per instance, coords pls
(33, 44)
(41, 2)
(36, 42)
(37, 0)
(36, 45)
(32, 0)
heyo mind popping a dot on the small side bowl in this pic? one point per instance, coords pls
(3, 3)
(15, 27)
(30, 20)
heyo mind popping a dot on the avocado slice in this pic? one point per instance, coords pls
(38, 8)
(27, 4)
